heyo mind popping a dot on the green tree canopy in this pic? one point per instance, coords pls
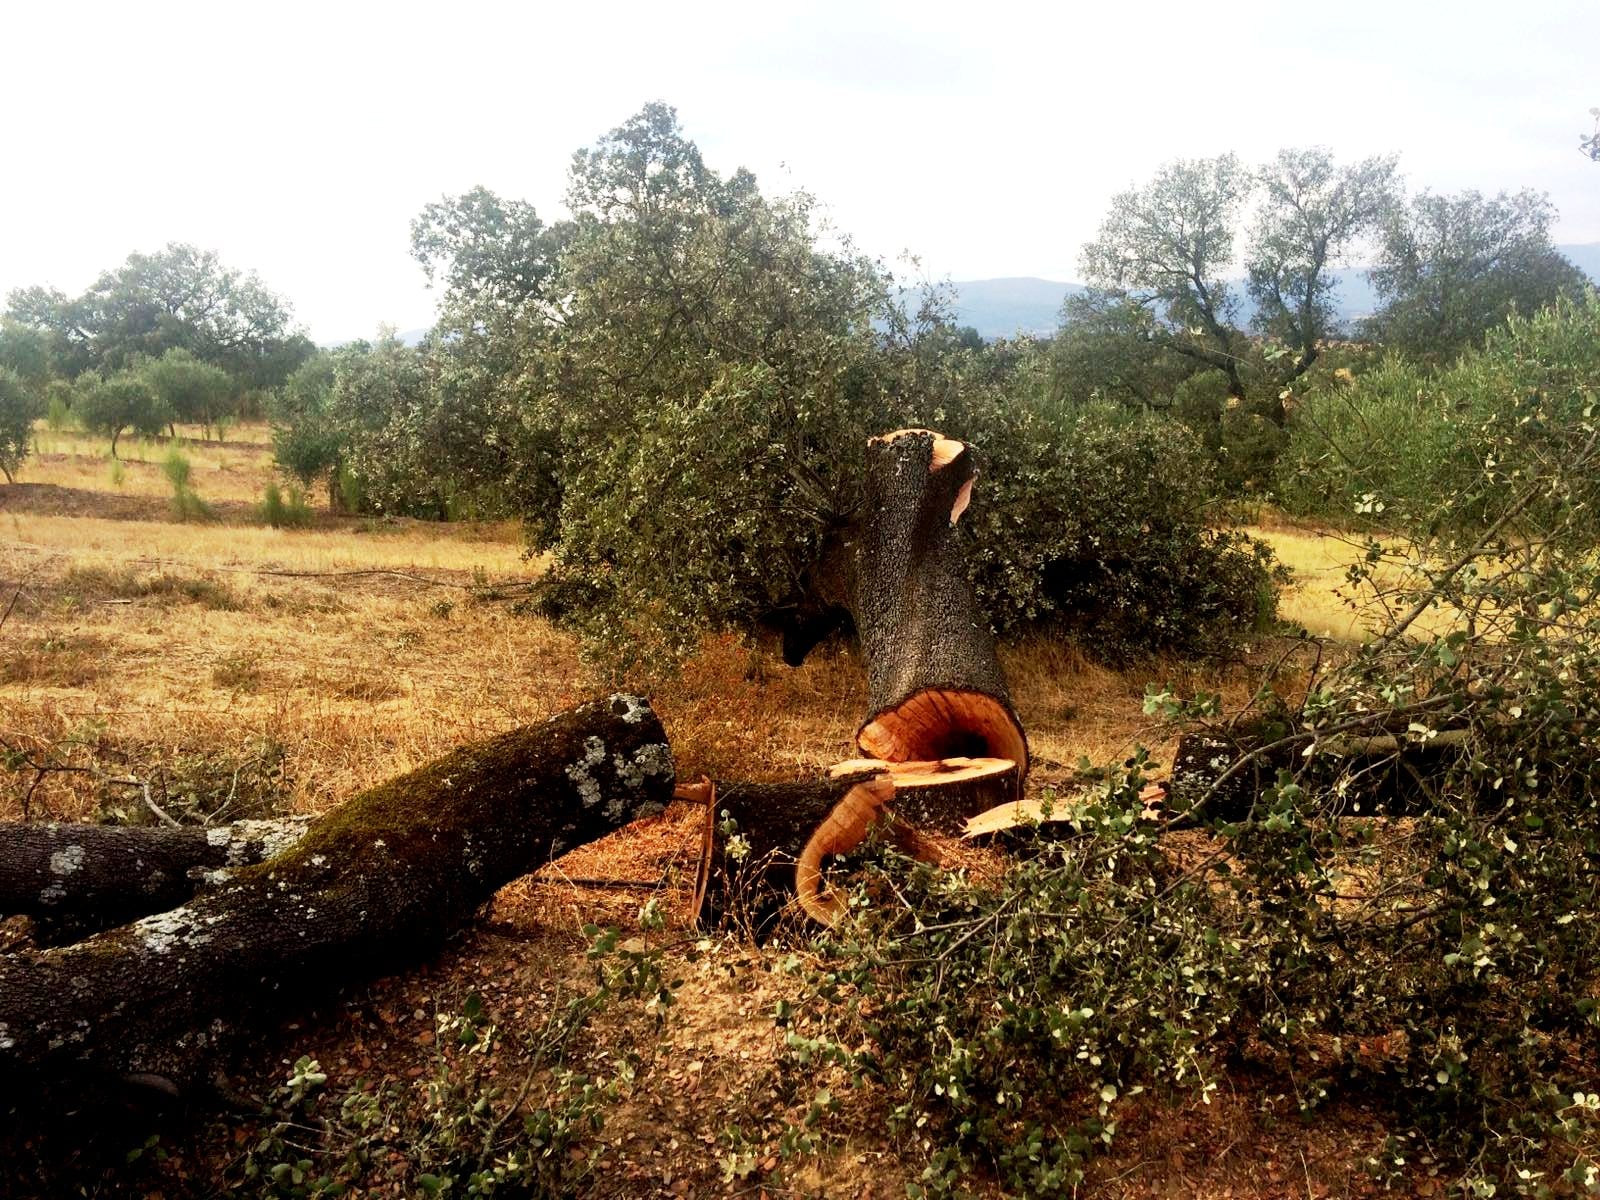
(122, 401)
(189, 389)
(177, 298)
(17, 412)
(1450, 268)
(1168, 247)
(28, 353)
(305, 440)
(1313, 213)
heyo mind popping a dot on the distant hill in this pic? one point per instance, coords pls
(1003, 308)
(999, 308)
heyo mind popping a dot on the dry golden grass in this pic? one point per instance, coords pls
(1320, 599)
(165, 640)
(236, 469)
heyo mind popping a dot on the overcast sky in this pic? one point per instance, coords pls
(300, 140)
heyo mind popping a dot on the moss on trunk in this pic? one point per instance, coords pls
(380, 879)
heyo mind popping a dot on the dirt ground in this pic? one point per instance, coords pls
(247, 670)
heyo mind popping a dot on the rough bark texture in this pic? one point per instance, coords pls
(76, 879)
(383, 877)
(1374, 776)
(935, 685)
(752, 881)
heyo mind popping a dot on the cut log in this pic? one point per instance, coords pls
(935, 685)
(76, 879)
(382, 878)
(940, 795)
(1380, 775)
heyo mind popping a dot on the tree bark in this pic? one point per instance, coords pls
(755, 836)
(1362, 776)
(383, 877)
(935, 685)
(76, 879)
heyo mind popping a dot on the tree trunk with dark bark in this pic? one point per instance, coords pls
(1381, 775)
(76, 879)
(935, 685)
(756, 835)
(380, 879)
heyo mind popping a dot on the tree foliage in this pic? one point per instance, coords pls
(1444, 450)
(1168, 246)
(18, 409)
(305, 441)
(1169, 249)
(1313, 214)
(1452, 267)
(177, 298)
(122, 401)
(193, 391)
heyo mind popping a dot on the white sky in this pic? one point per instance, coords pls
(300, 139)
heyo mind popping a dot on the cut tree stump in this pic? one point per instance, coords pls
(76, 879)
(942, 794)
(384, 877)
(758, 834)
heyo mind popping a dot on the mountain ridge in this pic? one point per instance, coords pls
(1006, 306)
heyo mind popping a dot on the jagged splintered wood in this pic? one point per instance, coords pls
(935, 685)
(377, 881)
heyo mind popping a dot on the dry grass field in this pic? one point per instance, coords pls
(245, 669)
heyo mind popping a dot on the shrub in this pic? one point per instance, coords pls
(284, 511)
(1087, 520)
(186, 504)
(16, 422)
(1094, 522)
(1443, 451)
(58, 413)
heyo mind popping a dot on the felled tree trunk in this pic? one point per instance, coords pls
(76, 879)
(935, 686)
(1361, 775)
(383, 877)
(941, 738)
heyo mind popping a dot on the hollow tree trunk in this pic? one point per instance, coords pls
(76, 879)
(384, 876)
(935, 685)
(942, 738)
